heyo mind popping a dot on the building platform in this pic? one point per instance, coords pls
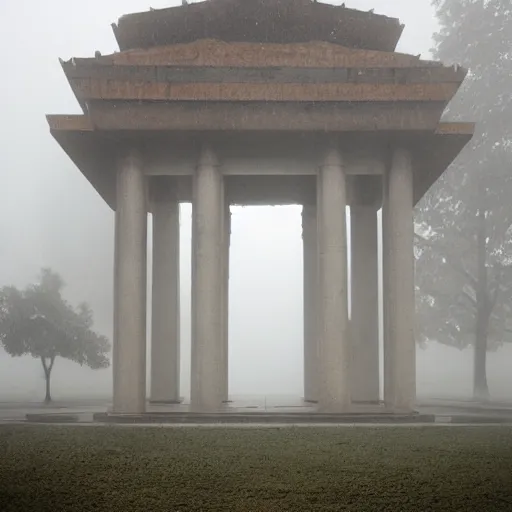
(258, 411)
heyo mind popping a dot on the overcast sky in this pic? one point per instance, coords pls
(51, 216)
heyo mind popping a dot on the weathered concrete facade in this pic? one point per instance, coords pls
(267, 102)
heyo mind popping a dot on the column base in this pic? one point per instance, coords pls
(167, 402)
(368, 402)
(401, 410)
(334, 408)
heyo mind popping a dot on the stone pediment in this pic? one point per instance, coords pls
(266, 21)
(210, 70)
(210, 52)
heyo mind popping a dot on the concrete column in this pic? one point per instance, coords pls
(225, 299)
(309, 243)
(398, 285)
(165, 325)
(207, 341)
(334, 360)
(365, 304)
(129, 357)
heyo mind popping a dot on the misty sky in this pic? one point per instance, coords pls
(51, 216)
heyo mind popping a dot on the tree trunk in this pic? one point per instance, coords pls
(480, 387)
(483, 314)
(47, 375)
(48, 396)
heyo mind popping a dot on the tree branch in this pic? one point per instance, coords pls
(495, 292)
(468, 296)
(48, 368)
(52, 361)
(451, 260)
(45, 368)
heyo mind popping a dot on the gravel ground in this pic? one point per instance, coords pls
(44, 468)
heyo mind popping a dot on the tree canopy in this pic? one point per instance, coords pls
(464, 235)
(38, 321)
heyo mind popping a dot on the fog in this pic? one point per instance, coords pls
(51, 216)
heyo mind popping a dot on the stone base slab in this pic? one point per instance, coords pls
(256, 417)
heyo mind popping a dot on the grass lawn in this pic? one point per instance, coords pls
(181, 469)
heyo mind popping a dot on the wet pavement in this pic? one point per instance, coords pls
(270, 411)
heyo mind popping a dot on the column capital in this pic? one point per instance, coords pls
(162, 189)
(401, 156)
(332, 156)
(129, 156)
(366, 192)
(207, 156)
